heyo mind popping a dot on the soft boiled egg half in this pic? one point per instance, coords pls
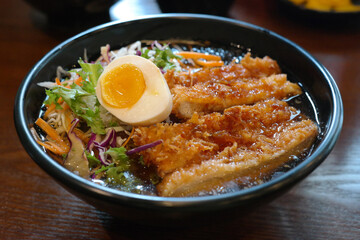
(134, 90)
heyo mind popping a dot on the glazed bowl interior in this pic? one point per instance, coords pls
(297, 63)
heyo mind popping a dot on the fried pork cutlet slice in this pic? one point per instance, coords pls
(211, 96)
(248, 68)
(215, 89)
(210, 150)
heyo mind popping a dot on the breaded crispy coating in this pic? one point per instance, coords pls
(208, 150)
(236, 128)
(248, 68)
(260, 67)
(206, 97)
(215, 89)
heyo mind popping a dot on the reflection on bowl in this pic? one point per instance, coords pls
(312, 75)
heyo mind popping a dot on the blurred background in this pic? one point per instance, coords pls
(68, 17)
(71, 16)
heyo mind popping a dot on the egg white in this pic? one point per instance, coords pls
(154, 105)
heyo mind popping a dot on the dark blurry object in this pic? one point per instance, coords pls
(64, 18)
(219, 8)
(329, 19)
(71, 8)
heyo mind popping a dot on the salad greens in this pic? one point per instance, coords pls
(92, 72)
(111, 164)
(82, 99)
(161, 58)
(118, 173)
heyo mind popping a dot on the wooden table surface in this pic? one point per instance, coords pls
(326, 205)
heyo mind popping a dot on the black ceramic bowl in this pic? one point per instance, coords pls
(299, 64)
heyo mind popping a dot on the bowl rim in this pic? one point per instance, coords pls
(75, 182)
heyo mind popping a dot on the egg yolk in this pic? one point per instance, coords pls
(123, 86)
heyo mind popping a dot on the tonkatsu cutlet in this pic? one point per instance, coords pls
(247, 68)
(206, 97)
(216, 89)
(210, 149)
(238, 164)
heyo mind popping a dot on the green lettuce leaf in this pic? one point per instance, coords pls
(104, 168)
(82, 104)
(52, 98)
(92, 71)
(119, 156)
(162, 58)
(82, 99)
(93, 161)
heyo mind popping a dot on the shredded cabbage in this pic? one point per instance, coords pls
(82, 99)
